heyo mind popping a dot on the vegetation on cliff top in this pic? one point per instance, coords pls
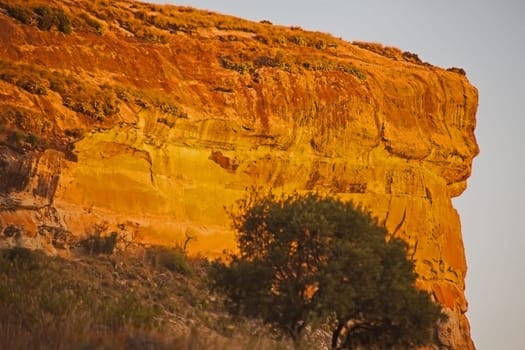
(97, 101)
(98, 105)
(245, 47)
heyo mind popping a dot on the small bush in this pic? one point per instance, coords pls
(457, 70)
(20, 14)
(411, 57)
(354, 71)
(385, 51)
(49, 17)
(241, 68)
(320, 45)
(57, 85)
(297, 40)
(15, 138)
(97, 105)
(97, 244)
(45, 17)
(94, 24)
(32, 86)
(32, 139)
(8, 77)
(265, 61)
(227, 38)
(12, 230)
(23, 258)
(73, 133)
(173, 259)
(149, 99)
(333, 66)
(122, 94)
(64, 24)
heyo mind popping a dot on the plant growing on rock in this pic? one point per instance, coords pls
(49, 17)
(173, 259)
(99, 242)
(306, 260)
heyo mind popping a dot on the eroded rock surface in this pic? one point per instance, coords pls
(248, 105)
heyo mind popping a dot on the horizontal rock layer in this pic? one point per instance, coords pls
(248, 105)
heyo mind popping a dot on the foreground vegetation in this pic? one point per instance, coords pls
(306, 261)
(311, 272)
(152, 298)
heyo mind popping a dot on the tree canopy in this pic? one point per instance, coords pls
(306, 260)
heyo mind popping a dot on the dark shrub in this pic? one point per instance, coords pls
(49, 17)
(98, 244)
(20, 14)
(173, 259)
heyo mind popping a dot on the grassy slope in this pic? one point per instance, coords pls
(150, 299)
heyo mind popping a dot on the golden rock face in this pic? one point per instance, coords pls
(249, 105)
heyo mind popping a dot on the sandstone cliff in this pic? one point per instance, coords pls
(150, 120)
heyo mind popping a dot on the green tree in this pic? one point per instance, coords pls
(306, 260)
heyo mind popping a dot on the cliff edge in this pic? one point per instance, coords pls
(149, 120)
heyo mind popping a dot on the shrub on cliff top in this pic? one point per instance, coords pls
(44, 16)
(49, 17)
(19, 13)
(304, 260)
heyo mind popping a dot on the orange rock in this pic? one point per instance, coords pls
(159, 129)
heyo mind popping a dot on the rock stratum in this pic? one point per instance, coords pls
(148, 120)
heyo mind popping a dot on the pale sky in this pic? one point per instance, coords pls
(487, 39)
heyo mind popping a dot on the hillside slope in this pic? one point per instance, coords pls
(149, 120)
